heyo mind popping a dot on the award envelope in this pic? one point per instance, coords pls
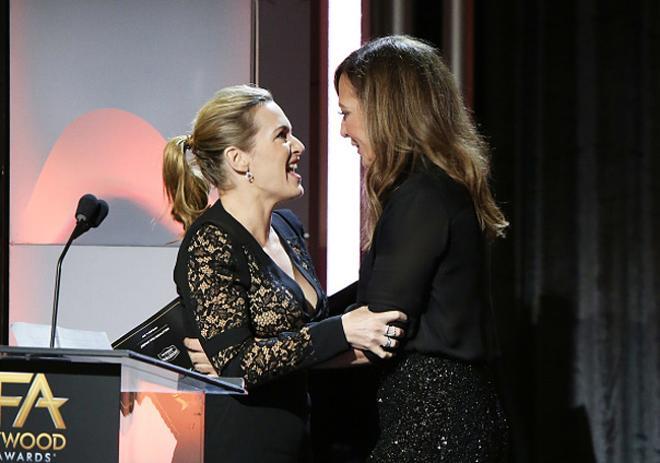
(160, 336)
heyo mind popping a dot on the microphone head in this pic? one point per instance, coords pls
(87, 208)
(101, 213)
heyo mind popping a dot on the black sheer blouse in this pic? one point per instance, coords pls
(428, 258)
(252, 319)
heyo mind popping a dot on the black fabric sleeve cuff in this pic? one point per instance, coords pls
(352, 307)
(328, 338)
(373, 358)
(221, 341)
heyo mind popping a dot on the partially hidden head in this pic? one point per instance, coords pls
(412, 112)
(240, 138)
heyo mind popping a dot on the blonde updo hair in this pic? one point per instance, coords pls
(226, 120)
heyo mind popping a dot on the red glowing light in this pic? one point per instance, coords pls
(109, 152)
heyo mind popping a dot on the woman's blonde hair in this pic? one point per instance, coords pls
(414, 113)
(226, 120)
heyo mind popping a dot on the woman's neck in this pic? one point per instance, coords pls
(253, 213)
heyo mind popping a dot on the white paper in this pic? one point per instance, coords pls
(37, 335)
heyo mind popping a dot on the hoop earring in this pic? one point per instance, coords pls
(249, 176)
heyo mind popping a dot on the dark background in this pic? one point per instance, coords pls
(4, 170)
(568, 94)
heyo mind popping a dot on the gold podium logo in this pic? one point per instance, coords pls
(39, 395)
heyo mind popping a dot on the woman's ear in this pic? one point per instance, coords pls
(237, 159)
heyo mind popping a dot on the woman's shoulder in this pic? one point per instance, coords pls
(213, 224)
(204, 240)
(430, 185)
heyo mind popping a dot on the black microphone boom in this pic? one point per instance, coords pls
(87, 208)
(89, 214)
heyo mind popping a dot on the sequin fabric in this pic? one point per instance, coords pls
(279, 343)
(434, 409)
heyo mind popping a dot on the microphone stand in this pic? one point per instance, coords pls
(80, 228)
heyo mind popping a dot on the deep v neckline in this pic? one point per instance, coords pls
(292, 283)
(295, 266)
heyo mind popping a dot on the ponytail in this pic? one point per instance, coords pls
(225, 120)
(186, 189)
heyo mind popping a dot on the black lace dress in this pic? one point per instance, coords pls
(254, 322)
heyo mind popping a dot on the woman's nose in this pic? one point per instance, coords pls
(342, 130)
(296, 145)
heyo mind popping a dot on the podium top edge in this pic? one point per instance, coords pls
(234, 385)
(58, 351)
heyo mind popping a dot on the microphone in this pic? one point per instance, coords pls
(89, 214)
(101, 213)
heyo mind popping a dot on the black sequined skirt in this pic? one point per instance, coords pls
(437, 409)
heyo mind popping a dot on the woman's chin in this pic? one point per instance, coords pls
(292, 193)
(366, 162)
(299, 192)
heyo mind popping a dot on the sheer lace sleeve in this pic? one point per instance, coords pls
(254, 332)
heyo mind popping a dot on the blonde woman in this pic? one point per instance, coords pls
(247, 281)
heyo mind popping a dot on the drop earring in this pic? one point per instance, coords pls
(249, 176)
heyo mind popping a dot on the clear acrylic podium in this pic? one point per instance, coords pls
(74, 405)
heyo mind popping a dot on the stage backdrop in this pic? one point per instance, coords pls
(568, 94)
(97, 87)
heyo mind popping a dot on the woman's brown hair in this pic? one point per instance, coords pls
(226, 120)
(414, 112)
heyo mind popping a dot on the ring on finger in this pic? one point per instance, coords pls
(388, 343)
(388, 333)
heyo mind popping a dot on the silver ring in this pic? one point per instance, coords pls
(388, 344)
(387, 332)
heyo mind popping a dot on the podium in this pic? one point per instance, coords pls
(74, 405)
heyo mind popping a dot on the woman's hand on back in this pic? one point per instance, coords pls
(373, 331)
(198, 357)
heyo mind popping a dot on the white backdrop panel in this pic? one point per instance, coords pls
(96, 87)
(103, 288)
